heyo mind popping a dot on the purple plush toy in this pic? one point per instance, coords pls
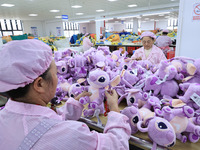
(181, 120)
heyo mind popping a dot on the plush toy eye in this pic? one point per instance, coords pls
(135, 119)
(125, 67)
(162, 125)
(102, 79)
(72, 95)
(132, 100)
(131, 72)
(72, 54)
(77, 85)
(120, 54)
(63, 69)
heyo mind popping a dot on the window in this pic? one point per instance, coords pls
(10, 27)
(70, 28)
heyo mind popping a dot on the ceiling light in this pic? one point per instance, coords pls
(127, 17)
(33, 15)
(132, 5)
(99, 10)
(138, 17)
(103, 19)
(79, 14)
(156, 20)
(161, 15)
(151, 19)
(167, 16)
(156, 14)
(7, 5)
(173, 0)
(76, 6)
(146, 18)
(112, 0)
(58, 16)
(54, 10)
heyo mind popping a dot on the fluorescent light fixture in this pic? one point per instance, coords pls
(138, 17)
(112, 0)
(156, 14)
(173, 0)
(132, 5)
(167, 16)
(127, 17)
(33, 15)
(79, 14)
(54, 10)
(58, 16)
(151, 19)
(103, 19)
(146, 18)
(7, 5)
(161, 15)
(156, 20)
(76, 6)
(99, 10)
(82, 21)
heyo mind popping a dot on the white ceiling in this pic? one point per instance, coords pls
(119, 8)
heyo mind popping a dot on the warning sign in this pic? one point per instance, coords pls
(196, 12)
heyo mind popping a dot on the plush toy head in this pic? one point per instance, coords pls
(160, 131)
(98, 78)
(62, 67)
(75, 89)
(134, 117)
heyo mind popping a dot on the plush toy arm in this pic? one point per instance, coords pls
(181, 137)
(179, 76)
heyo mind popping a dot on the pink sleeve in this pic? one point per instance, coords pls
(72, 110)
(135, 55)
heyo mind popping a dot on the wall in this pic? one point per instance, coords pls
(115, 26)
(50, 27)
(188, 43)
(149, 25)
(90, 27)
(27, 24)
(162, 24)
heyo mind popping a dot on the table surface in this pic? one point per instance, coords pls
(140, 139)
(126, 45)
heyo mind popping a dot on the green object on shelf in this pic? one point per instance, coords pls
(19, 37)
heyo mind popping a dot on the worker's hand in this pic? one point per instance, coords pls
(138, 58)
(84, 93)
(112, 100)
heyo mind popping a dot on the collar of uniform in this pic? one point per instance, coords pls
(30, 109)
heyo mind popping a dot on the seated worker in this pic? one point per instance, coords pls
(163, 41)
(102, 38)
(28, 75)
(149, 51)
(87, 44)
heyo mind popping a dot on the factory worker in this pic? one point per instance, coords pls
(163, 41)
(149, 51)
(87, 44)
(28, 75)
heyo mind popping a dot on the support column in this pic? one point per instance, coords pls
(135, 25)
(99, 25)
(188, 29)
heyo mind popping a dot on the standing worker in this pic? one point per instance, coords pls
(163, 41)
(87, 44)
(149, 51)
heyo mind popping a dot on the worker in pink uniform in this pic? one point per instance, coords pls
(163, 41)
(87, 44)
(149, 51)
(28, 75)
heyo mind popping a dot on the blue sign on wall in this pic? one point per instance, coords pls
(65, 17)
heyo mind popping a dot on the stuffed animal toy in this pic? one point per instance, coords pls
(114, 38)
(62, 69)
(152, 83)
(180, 119)
(98, 80)
(168, 72)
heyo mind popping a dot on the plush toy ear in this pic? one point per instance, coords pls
(191, 69)
(122, 97)
(81, 80)
(139, 126)
(133, 90)
(58, 64)
(114, 82)
(177, 103)
(70, 80)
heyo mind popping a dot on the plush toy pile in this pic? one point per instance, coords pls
(162, 100)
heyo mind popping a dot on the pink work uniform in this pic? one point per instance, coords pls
(155, 57)
(163, 41)
(87, 44)
(18, 119)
